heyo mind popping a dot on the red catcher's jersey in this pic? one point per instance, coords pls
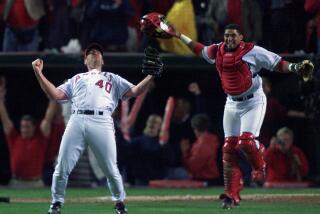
(234, 73)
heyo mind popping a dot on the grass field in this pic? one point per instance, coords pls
(158, 201)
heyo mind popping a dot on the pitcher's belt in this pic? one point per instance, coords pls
(91, 112)
(243, 98)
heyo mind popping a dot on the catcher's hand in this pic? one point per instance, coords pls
(155, 25)
(304, 69)
(152, 63)
(168, 29)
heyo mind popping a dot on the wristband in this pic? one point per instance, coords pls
(292, 67)
(186, 40)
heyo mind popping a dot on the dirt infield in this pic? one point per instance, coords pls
(302, 198)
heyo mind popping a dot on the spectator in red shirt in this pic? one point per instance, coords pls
(27, 148)
(285, 162)
(22, 21)
(200, 159)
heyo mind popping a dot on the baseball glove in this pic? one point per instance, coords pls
(152, 63)
(304, 69)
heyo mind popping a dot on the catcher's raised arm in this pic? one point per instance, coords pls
(155, 25)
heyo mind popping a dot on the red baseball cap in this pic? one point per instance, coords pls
(92, 46)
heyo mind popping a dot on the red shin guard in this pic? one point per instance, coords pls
(231, 170)
(247, 145)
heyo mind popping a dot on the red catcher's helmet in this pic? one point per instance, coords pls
(150, 24)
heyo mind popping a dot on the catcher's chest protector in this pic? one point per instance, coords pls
(235, 74)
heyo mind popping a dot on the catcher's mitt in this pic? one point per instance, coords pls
(152, 63)
(155, 25)
(304, 69)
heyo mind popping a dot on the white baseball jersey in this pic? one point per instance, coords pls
(95, 90)
(247, 115)
(257, 58)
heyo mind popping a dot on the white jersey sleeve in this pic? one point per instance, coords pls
(66, 87)
(209, 53)
(123, 86)
(260, 58)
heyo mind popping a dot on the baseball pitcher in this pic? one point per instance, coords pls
(94, 96)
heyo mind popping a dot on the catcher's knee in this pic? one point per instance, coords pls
(247, 143)
(252, 150)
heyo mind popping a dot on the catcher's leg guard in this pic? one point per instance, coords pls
(247, 144)
(231, 173)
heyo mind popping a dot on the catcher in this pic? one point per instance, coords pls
(237, 63)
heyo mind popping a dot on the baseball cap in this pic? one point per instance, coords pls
(92, 46)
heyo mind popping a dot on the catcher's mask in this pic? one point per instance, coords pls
(92, 46)
(152, 24)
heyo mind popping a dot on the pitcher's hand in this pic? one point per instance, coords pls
(37, 66)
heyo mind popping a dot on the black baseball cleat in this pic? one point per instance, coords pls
(55, 208)
(120, 208)
(227, 202)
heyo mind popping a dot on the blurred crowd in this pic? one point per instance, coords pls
(65, 26)
(177, 142)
